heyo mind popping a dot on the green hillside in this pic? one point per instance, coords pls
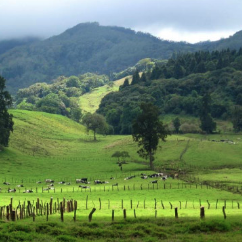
(47, 145)
(89, 102)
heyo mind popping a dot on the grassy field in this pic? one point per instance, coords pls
(50, 146)
(89, 102)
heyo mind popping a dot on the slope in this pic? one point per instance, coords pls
(90, 101)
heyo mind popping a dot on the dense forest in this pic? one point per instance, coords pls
(89, 47)
(178, 86)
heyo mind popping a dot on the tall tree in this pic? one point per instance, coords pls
(95, 122)
(135, 78)
(6, 119)
(147, 130)
(177, 124)
(237, 118)
(207, 123)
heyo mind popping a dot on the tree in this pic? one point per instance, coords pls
(177, 124)
(207, 123)
(125, 84)
(147, 130)
(135, 78)
(6, 119)
(122, 154)
(95, 122)
(237, 118)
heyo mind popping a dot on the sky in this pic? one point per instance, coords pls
(178, 20)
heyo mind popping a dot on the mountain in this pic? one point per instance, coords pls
(89, 47)
(86, 47)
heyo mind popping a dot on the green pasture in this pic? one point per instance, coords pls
(90, 101)
(46, 146)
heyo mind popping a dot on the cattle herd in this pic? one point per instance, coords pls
(85, 184)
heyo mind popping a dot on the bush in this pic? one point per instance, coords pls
(189, 128)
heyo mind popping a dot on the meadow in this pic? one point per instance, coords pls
(46, 146)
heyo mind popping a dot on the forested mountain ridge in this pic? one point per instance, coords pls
(89, 47)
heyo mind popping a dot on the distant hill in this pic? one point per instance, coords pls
(89, 47)
(86, 47)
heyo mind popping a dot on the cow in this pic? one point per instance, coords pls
(164, 178)
(154, 181)
(62, 182)
(85, 187)
(46, 189)
(99, 182)
(144, 177)
(153, 175)
(20, 185)
(38, 182)
(28, 191)
(82, 180)
(116, 184)
(11, 190)
(129, 177)
(49, 181)
(6, 183)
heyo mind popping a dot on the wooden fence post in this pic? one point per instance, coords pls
(176, 212)
(47, 214)
(112, 215)
(62, 212)
(91, 213)
(124, 212)
(202, 213)
(224, 212)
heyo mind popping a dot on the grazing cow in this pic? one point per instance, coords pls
(154, 181)
(116, 184)
(85, 187)
(38, 182)
(153, 175)
(12, 190)
(62, 182)
(164, 178)
(68, 183)
(20, 185)
(51, 185)
(144, 177)
(82, 180)
(112, 178)
(49, 181)
(6, 183)
(129, 177)
(99, 182)
(160, 174)
(28, 191)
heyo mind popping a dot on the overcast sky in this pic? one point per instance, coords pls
(179, 20)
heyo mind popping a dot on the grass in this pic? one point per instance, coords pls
(52, 146)
(160, 229)
(89, 102)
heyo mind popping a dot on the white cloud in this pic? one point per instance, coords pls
(189, 20)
